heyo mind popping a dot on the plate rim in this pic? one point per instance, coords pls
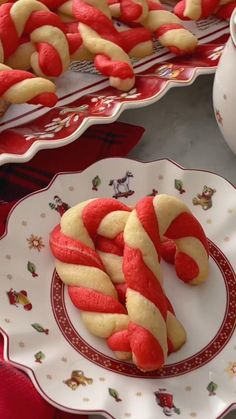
(89, 121)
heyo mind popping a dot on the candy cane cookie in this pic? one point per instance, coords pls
(45, 30)
(131, 11)
(80, 267)
(146, 304)
(18, 86)
(177, 223)
(195, 9)
(100, 39)
(169, 30)
(111, 252)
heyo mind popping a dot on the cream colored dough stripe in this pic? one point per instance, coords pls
(27, 89)
(167, 208)
(113, 266)
(66, 8)
(194, 248)
(158, 18)
(144, 313)
(113, 224)
(136, 237)
(20, 14)
(85, 276)
(193, 9)
(179, 38)
(72, 224)
(98, 45)
(104, 324)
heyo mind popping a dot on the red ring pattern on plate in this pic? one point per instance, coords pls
(189, 364)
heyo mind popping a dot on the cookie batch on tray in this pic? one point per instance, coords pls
(109, 254)
(39, 40)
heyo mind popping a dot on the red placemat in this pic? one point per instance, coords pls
(18, 397)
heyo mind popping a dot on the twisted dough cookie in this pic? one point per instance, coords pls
(131, 11)
(169, 29)
(152, 219)
(18, 86)
(165, 25)
(45, 30)
(99, 37)
(201, 9)
(80, 267)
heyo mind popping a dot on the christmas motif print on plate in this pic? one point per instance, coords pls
(85, 97)
(43, 332)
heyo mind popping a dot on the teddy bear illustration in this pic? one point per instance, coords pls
(205, 198)
(77, 378)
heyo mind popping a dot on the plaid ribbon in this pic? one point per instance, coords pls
(18, 397)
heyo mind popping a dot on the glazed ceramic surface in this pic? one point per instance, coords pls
(75, 371)
(224, 89)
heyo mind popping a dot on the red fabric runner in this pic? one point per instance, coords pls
(18, 397)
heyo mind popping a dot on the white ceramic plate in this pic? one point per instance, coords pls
(43, 333)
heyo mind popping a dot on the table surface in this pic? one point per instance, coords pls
(182, 127)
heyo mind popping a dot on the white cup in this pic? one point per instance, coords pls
(224, 89)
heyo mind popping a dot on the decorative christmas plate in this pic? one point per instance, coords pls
(76, 371)
(86, 99)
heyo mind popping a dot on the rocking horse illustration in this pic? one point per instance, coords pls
(121, 186)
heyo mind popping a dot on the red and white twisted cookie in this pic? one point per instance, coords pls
(22, 57)
(99, 37)
(131, 11)
(169, 30)
(152, 219)
(45, 30)
(80, 267)
(177, 223)
(111, 252)
(163, 24)
(136, 42)
(18, 86)
(201, 9)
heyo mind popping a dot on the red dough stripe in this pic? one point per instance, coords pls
(49, 59)
(8, 33)
(10, 77)
(53, 4)
(96, 210)
(186, 268)
(95, 19)
(146, 349)
(45, 99)
(68, 250)
(166, 28)
(147, 217)
(187, 225)
(139, 278)
(89, 300)
(130, 38)
(74, 41)
(130, 11)
(108, 246)
(119, 341)
(110, 68)
(41, 18)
